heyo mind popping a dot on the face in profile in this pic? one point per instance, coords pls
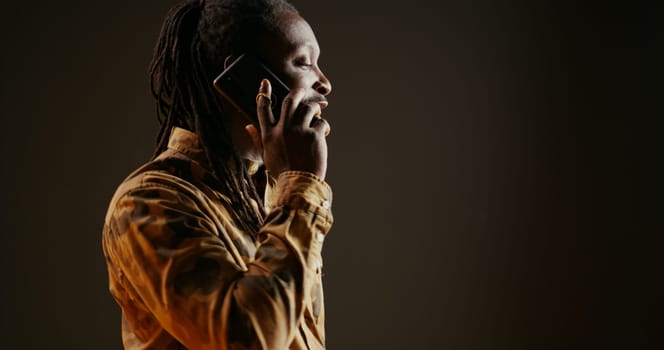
(293, 53)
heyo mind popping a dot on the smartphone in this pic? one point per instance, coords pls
(240, 81)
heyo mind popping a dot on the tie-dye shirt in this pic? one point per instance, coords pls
(186, 277)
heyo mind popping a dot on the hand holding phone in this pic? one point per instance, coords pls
(292, 134)
(295, 140)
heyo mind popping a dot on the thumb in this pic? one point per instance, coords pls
(255, 136)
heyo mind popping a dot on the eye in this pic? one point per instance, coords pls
(303, 64)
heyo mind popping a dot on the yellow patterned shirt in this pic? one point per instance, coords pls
(186, 277)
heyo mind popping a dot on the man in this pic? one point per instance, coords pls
(197, 259)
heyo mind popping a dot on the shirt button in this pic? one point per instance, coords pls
(320, 236)
(326, 204)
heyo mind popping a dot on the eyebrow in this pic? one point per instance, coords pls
(312, 48)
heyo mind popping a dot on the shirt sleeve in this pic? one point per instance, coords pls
(166, 245)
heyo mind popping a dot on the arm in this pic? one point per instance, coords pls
(170, 252)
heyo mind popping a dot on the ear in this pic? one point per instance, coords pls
(229, 59)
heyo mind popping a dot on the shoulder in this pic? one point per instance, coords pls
(170, 182)
(159, 208)
(160, 184)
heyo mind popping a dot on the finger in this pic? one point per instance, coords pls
(290, 104)
(263, 105)
(306, 112)
(321, 126)
(255, 136)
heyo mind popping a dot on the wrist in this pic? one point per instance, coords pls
(300, 190)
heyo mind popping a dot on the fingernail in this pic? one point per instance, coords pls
(264, 83)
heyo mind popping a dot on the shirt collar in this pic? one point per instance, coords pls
(188, 143)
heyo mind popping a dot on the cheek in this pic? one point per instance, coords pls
(298, 78)
(290, 76)
(284, 70)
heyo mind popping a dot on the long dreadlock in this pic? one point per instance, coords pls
(195, 39)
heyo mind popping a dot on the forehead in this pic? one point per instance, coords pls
(295, 30)
(293, 33)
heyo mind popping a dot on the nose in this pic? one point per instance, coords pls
(323, 85)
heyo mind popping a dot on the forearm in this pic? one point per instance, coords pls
(289, 254)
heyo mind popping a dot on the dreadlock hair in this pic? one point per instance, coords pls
(194, 41)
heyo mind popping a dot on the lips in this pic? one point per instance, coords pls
(320, 100)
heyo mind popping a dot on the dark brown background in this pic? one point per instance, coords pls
(494, 166)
